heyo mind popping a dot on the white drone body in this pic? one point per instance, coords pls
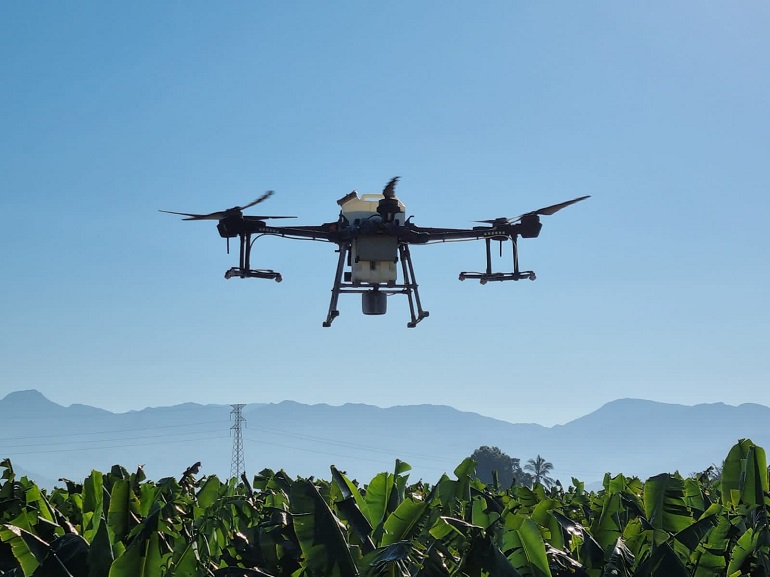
(372, 258)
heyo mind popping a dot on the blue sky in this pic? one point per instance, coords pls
(654, 288)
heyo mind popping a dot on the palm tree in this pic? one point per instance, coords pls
(540, 468)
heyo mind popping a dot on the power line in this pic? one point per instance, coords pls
(348, 445)
(155, 436)
(12, 452)
(25, 437)
(317, 452)
(356, 458)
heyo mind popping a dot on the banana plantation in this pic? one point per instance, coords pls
(120, 524)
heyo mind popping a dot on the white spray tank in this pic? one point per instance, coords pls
(373, 258)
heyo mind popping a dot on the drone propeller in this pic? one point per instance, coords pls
(390, 189)
(234, 211)
(547, 211)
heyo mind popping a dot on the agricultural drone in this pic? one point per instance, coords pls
(373, 237)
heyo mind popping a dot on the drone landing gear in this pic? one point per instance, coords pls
(253, 273)
(411, 287)
(245, 270)
(374, 295)
(489, 276)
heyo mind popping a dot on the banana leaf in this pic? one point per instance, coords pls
(589, 552)
(351, 508)
(405, 520)
(100, 553)
(378, 497)
(620, 562)
(751, 549)
(319, 532)
(744, 475)
(93, 504)
(118, 514)
(664, 504)
(391, 561)
(141, 559)
(525, 549)
(68, 557)
(29, 550)
(710, 556)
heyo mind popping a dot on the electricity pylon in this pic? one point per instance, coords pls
(237, 465)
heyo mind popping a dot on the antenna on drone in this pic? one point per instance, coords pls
(237, 465)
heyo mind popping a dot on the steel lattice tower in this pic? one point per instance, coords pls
(237, 465)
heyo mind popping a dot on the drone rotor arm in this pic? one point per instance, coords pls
(434, 234)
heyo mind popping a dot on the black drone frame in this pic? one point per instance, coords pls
(232, 223)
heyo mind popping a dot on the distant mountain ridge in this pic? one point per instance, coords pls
(631, 436)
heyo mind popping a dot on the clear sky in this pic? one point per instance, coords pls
(657, 287)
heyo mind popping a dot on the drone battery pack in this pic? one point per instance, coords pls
(378, 272)
(373, 259)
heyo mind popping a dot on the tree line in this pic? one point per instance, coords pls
(494, 467)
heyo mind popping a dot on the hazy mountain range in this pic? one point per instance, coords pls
(47, 441)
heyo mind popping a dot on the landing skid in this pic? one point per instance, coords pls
(489, 276)
(484, 278)
(245, 270)
(258, 273)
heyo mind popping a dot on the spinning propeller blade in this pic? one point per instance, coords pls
(390, 189)
(554, 208)
(547, 211)
(234, 211)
